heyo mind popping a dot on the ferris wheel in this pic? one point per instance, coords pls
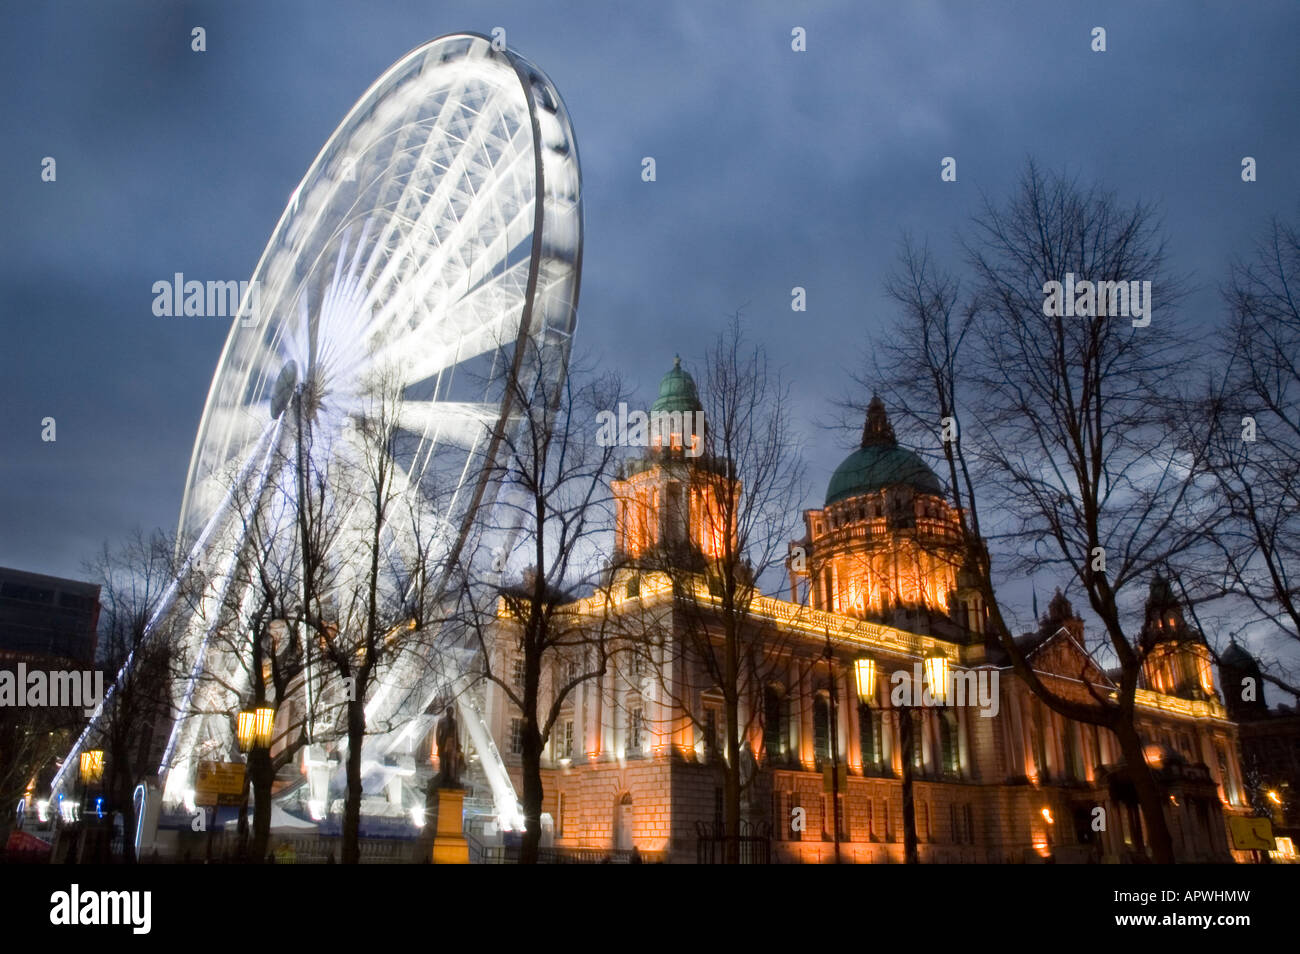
(437, 235)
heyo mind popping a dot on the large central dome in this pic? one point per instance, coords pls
(879, 463)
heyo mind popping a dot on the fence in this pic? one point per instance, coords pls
(753, 846)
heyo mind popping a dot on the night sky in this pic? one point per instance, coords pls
(774, 169)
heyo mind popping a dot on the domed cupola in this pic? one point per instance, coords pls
(677, 392)
(886, 542)
(677, 423)
(879, 462)
(1177, 659)
(1243, 683)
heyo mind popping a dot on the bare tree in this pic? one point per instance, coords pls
(260, 623)
(748, 481)
(142, 647)
(1254, 414)
(1064, 445)
(31, 739)
(552, 507)
(376, 580)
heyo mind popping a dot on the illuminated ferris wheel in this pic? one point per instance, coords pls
(436, 236)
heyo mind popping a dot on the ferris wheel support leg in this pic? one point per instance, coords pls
(503, 790)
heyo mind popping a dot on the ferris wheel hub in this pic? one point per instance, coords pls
(284, 388)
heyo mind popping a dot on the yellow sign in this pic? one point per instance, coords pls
(1251, 834)
(220, 778)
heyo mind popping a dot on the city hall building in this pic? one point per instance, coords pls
(636, 756)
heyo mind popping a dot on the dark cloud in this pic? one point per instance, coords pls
(775, 169)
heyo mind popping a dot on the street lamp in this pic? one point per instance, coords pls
(254, 728)
(864, 673)
(245, 729)
(936, 675)
(253, 731)
(832, 716)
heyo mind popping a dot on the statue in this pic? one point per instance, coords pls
(448, 751)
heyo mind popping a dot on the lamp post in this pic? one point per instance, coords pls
(91, 769)
(833, 718)
(253, 731)
(936, 671)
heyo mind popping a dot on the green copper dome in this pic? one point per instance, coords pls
(879, 462)
(677, 392)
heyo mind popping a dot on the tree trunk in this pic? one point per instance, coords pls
(731, 719)
(532, 794)
(259, 765)
(1150, 797)
(352, 802)
(731, 784)
(906, 738)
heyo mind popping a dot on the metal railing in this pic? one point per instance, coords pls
(753, 846)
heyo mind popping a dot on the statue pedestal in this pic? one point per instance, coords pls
(449, 845)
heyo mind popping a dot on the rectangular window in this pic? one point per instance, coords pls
(918, 734)
(773, 725)
(948, 742)
(634, 724)
(516, 736)
(566, 744)
(517, 674)
(711, 748)
(867, 733)
(821, 730)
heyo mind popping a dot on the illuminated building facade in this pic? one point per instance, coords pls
(635, 756)
(1270, 746)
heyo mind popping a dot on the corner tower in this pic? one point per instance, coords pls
(668, 500)
(1176, 658)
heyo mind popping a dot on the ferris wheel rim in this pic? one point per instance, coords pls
(527, 74)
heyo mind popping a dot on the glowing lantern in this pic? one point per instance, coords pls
(864, 671)
(263, 726)
(936, 675)
(245, 728)
(254, 728)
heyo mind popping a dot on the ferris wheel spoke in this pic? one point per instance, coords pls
(464, 196)
(490, 261)
(461, 423)
(408, 197)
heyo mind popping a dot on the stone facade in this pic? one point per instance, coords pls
(636, 757)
